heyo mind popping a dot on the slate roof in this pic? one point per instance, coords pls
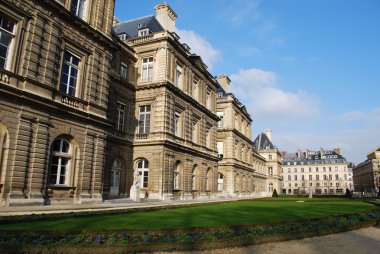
(313, 157)
(132, 27)
(262, 142)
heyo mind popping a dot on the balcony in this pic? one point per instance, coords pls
(70, 101)
(141, 136)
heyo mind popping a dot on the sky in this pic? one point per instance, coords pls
(307, 70)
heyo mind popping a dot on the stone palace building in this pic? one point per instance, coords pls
(367, 174)
(86, 101)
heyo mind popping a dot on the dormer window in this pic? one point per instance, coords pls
(123, 37)
(144, 32)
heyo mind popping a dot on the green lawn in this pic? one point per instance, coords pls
(212, 215)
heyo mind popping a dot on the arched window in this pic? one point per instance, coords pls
(60, 162)
(176, 176)
(208, 179)
(143, 169)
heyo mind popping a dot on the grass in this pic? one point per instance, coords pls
(204, 216)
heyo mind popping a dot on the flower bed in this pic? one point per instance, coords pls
(186, 239)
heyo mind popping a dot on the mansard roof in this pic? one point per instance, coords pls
(132, 27)
(262, 142)
(313, 156)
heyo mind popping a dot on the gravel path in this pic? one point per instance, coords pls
(360, 241)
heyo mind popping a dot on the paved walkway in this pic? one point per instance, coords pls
(362, 241)
(109, 205)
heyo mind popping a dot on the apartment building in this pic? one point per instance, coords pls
(318, 172)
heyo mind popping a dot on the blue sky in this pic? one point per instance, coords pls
(307, 70)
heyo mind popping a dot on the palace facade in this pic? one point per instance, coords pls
(367, 173)
(86, 101)
(319, 172)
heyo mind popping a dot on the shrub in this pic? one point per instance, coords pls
(274, 195)
(348, 193)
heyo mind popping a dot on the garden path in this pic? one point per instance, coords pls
(362, 241)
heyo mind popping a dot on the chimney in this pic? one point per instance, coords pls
(115, 21)
(299, 154)
(338, 150)
(268, 133)
(322, 152)
(225, 82)
(166, 16)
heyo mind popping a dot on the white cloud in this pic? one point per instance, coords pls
(355, 143)
(265, 99)
(239, 11)
(371, 118)
(200, 46)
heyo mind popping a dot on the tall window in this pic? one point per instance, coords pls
(177, 123)
(178, 77)
(144, 119)
(220, 182)
(220, 148)
(220, 115)
(61, 156)
(7, 28)
(124, 71)
(77, 7)
(176, 176)
(69, 76)
(195, 88)
(208, 179)
(208, 138)
(270, 170)
(310, 177)
(147, 69)
(120, 116)
(194, 132)
(143, 169)
(208, 98)
(271, 187)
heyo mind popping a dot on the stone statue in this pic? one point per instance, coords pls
(135, 189)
